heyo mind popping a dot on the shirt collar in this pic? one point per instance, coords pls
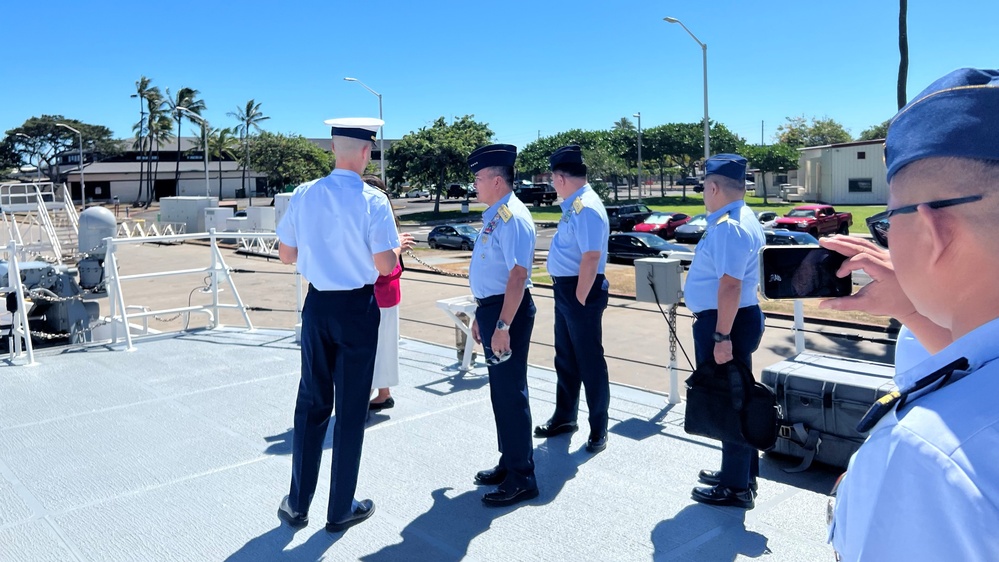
(978, 346)
(494, 208)
(566, 203)
(737, 204)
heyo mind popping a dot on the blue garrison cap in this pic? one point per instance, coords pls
(570, 154)
(492, 155)
(728, 165)
(958, 116)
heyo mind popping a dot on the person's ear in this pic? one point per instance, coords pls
(939, 229)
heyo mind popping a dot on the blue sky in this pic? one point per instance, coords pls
(522, 66)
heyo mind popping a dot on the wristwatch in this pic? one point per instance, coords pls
(501, 325)
(720, 337)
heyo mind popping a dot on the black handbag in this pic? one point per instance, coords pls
(725, 402)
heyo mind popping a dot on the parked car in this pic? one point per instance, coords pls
(781, 237)
(689, 180)
(624, 217)
(661, 224)
(414, 193)
(461, 236)
(631, 246)
(460, 191)
(816, 220)
(691, 232)
(537, 194)
(767, 218)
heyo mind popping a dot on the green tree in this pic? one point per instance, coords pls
(875, 131)
(9, 156)
(43, 141)
(249, 118)
(624, 124)
(160, 132)
(799, 132)
(288, 160)
(435, 154)
(188, 99)
(771, 158)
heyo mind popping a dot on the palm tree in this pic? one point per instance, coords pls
(624, 124)
(142, 91)
(222, 143)
(160, 132)
(249, 117)
(188, 99)
(155, 117)
(903, 51)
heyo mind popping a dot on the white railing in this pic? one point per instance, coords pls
(139, 228)
(217, 271)
(19, 341)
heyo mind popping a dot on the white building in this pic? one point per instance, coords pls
(850, 173)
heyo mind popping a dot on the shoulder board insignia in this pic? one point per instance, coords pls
(504, 213)
(577, 205)
(722, 219)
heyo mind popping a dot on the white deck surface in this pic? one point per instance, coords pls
(180, 450)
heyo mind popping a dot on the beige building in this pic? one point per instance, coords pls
(851, 173)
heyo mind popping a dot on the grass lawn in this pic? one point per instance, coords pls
(692, 205)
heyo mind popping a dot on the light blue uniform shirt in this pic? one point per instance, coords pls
(338, 223)
(583, 228)
(926, 486)
(501, 245)
(730, 246)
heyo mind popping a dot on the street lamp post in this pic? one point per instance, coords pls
(83, 182)
(204, 144)
(381, 130)
(704, 54)
(639, 116)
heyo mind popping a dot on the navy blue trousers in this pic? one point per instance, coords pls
(339, 337)
(740, 462)
(579, 353)
(508, 390)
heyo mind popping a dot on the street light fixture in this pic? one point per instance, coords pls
(639, 116)
(704, 53)
(83, 181)
(381, 130)
(204, 143)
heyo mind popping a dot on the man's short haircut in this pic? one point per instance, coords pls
(571, 170)
(504, 172)
(727, 182)
(348, 145)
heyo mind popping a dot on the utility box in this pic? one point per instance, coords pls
(281, 202)
(260, 219)
(188, 210)
(237, 224)
(665, 274)
(216, 217)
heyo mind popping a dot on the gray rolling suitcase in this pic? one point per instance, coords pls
(821, 399)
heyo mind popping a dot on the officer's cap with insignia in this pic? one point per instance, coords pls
(957, 116)
(570, 154)
(363, 128)
(728, 165)
(492, 155)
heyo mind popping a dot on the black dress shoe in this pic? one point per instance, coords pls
(491, 477)
(720, 495)
(509, 496)
(376, 406)
(551, 428)
(290, 516)
(596, 443)
(363, 510)
(713, 478)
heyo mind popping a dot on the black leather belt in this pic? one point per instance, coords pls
(489, 301)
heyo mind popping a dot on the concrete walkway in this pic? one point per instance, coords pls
(180, 450)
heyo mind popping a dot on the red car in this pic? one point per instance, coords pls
(662, 224)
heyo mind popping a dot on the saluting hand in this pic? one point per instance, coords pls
(406, 241)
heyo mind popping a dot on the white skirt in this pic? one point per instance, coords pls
(387, 355)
